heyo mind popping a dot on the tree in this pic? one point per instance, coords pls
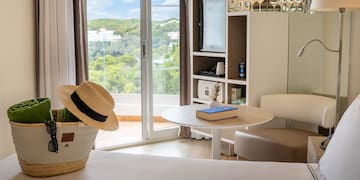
(116, 64)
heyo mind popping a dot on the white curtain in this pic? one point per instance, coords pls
(56, 47)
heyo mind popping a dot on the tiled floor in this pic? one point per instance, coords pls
(128, 132)
(184, 148)
(175, 148)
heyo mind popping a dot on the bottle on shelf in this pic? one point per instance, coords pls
(242, 70)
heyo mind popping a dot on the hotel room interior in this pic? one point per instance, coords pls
(290, 67)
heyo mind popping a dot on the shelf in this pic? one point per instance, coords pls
(209, 78)
(203, 101)
(209, 54)
(239, 82)
(238, 94)
(244, 32)
(237, 45)
(241, 13)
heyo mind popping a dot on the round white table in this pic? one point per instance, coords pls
(186, 116)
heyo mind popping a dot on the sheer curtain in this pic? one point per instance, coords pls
(184, 62)
(58, 61)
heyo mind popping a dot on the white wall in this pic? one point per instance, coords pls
(354, 81)
(317, 68)
(17, 56)
(305, 73)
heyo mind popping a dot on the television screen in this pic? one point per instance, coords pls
(212, 25)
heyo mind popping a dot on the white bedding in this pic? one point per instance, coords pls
(111, 165)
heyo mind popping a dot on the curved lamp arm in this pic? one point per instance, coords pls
(301, 51)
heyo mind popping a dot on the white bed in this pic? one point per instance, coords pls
(111, 165)
(341, 161)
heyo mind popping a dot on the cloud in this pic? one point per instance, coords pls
(98, 8)
(170, 2)
(133, 13)
(128, 1)
(161, 10)
(164, 13)
(99, 4)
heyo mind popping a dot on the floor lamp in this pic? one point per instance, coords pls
(340, 6)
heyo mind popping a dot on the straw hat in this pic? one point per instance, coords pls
(90, 103)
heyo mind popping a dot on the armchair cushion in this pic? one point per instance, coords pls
(283, 144)
(318, 110)
(272, 144)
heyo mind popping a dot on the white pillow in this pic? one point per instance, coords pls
(341, 159)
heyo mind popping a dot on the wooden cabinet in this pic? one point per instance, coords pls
(260, 40)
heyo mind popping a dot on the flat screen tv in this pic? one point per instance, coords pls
(212, 25)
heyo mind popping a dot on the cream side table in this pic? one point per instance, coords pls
(186, 116)
(314, 152)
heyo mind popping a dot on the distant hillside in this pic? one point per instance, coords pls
(132, 26)
(116, 64)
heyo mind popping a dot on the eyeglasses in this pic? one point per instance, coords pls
(51, 129)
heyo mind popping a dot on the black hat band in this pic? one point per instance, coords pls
(86, 109)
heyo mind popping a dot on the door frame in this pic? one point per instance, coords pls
(148, 131)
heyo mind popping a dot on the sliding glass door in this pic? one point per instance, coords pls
(160, 42)
(165, 58)
(134, 55)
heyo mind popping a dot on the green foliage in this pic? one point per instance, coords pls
(116, 64)
(115, 73)
(120, 26)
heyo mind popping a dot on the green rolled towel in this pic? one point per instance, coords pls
(30, 111)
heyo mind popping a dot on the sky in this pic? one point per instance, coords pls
(125, 9)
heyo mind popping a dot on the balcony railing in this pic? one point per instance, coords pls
(130, 104)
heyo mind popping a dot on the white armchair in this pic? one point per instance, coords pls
(285, 144)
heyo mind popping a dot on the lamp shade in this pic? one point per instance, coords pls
(334, 5)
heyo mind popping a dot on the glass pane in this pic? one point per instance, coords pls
(165, 56)
(114, 62)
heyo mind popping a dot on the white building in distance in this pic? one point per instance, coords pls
(102, 35)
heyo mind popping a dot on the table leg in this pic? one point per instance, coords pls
(216, 143)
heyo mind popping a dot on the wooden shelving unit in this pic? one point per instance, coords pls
(257, 39)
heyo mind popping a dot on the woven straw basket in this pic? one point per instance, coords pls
(31, 140)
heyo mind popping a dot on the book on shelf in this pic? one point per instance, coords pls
(236, 96)
(217, 113)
